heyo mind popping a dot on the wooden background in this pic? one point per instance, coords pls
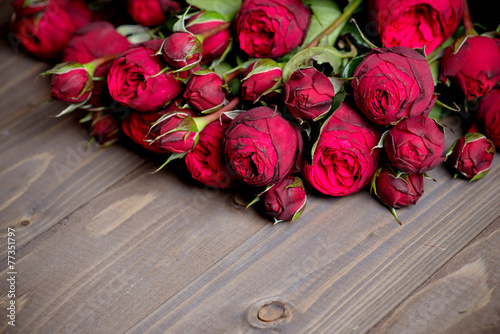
(104, 246)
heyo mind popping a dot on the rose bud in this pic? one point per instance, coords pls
(415, 144)
(136, 79)
(344, 159)
(28, 7)
(488, 116)
(262, 147)
(45, 34)
(285, 200)
(261, 80)
(137, 126)
(215, 45)
(473, 63)
(175, 132)
(392, 83)
(415, 23)
(104, 128)
(182, 50)
(71, 82)
(151, 12)
(271, 28)
(205, 162)
(205, 91)
(308, 94)
(397, 190)
(471, 155)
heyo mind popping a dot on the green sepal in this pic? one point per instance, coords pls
(172, 156)
(479, 175)
(297, 183)
(206, 17)
(63, 68)
(257, 198)
(428, 177)
(179, 26)
(72, 107)
(393, 211)
(299, 211)
(381, 141)
(373, 183)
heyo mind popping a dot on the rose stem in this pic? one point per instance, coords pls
(348, 11)
(215, 115)
(214, 30)
(102, 60)
(467, 21)
(234, 74)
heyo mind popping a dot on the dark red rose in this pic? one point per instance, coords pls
(135, 81)
(261, 80)
(137, 126)
(415, 144)
(392, 83)
(472, 155)
(261, 147)
(474, 65)
(344, 159)
(182, 49)
(271, 28)
(205, 91)
(104, 128)
(151, 12)
(177, 133)
(397, 190)
(285, 200)
(415, 23)
(308, 94)
(488, 116)
(215, 45)
(28, 7)
(72, 86)
(46, 33)
(205, 162)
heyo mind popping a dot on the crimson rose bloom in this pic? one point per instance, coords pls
(137, 126)
(473, 65)
(308, 94)
(392, 83)
(133, 79)
(415, 144)
(205, 162)
(46, 33)
(271, 28)
(151, 12)
(181, 49)
(488, 116)
(398, 191)
(261, 147)
(73, 86)
(344, 159)
(261, 80)
(172, 134)
(205, 91)
(286, 199)
(215, 45)
(472, 155)
(415, 23)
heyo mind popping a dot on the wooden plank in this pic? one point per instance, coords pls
(461, 297)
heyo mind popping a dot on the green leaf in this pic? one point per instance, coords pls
(228, 8)
(324, 13)
(307, 57)
(349, 69)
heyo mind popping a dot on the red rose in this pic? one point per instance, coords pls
(151, 12)
(182, 49)
(488, 116)
(177, 133)
(28, 7)
(205, 162)
(215, 45)
(286, 200)
(415, 144)
(135, 82)
(392, 83)
(104, 128)
(205, 91)
(46, 33)
(261, 80)
(261, 147)
(344, 159)
(308, 94)
(397, 190)
(271, 28)
(137, 126)
(72, 86)
(472, 155)
(474, 65)
(415, 23)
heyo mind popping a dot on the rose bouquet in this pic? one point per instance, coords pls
(279, 98)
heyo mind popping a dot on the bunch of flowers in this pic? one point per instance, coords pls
(282, 97)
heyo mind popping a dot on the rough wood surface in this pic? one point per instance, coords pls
(104, 246)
